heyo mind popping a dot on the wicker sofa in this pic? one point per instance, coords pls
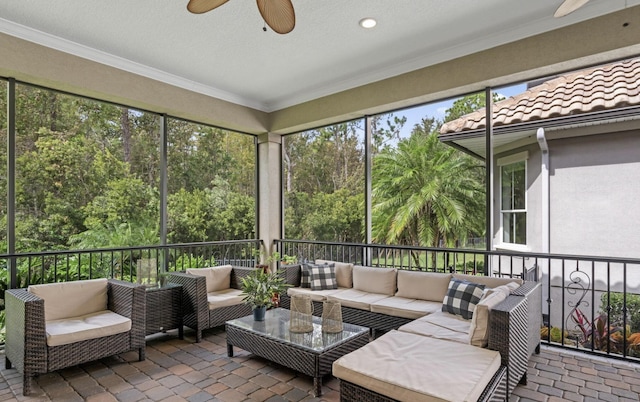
(59, 325)
(211, 296)
(411, 302)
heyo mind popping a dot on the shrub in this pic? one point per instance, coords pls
(616, 313)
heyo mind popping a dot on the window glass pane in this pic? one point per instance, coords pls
(324, 183)
(507, 187)
(514, 227)
(513, 186)
(211, 183)
(86, 173)
(519, 185)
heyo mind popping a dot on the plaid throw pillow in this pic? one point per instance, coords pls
(462, 297)
(323, 277)
(305, 275)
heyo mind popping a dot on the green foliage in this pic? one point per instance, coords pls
(470, 266)
(117, 235)
(469, 104)
(185, 261)
(337, 216)
(214, 213)
(289, 259)
(616, 309)
(124, 200)
(426, 201)
(260, 287)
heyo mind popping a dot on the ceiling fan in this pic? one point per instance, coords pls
(278, 14)
(569, 6)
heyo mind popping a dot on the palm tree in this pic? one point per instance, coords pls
(425, 192)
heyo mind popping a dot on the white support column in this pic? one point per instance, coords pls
(269, 189)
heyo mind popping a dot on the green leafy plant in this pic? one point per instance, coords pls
(259, 288)
(615, 301)
(288, 259)
(273, 257)
(185, 261)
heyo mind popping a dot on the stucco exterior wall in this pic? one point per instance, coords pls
(594, 188)
(595, 193)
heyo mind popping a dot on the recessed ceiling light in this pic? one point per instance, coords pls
(368, 23)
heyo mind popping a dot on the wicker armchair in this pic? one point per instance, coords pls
(195, 305)
(27, 346)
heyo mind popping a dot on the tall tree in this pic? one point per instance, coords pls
(425, 192)
(468, 104)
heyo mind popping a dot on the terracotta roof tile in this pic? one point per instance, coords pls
(601, 88)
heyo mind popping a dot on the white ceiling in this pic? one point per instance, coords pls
(225, 53)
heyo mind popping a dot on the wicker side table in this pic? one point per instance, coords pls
(164, 309)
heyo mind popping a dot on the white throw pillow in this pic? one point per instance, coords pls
(479, 330)
(72, 299)
(375, 280)
(218, 278)
(431, 286)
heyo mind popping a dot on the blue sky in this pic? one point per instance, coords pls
(438, 109)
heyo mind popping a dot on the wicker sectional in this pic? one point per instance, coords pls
(511, 324)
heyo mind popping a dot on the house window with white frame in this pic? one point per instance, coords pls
(513, 206)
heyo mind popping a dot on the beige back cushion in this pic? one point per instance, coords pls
(344, 272)
(218, 278)
(72, 299)
(375, 280)
(479, 330)
(429, 286)
(488, 281)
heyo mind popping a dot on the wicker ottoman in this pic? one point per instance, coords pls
(408, 367)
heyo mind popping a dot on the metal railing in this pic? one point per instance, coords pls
(590, 304)
(143, 264)
(127, 263)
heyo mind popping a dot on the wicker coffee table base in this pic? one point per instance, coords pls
(316, 364)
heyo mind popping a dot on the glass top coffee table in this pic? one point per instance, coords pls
(310, 353)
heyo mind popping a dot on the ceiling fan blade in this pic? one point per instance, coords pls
(278, 14)
(569, 6)
(202, 6)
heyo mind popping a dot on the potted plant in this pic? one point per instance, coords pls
(259, 288)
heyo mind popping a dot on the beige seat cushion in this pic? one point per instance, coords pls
(479, 329)
(344, 272)
(375, 280)
(406, 308)
(224, 298)
(409, 367)
(72, 299)
(488, 281)
(218, 278)
(423, 285)
(90, 326)
(356, 298)
(440, 325)
(316, 295)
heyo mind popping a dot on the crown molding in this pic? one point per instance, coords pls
(98, 56)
